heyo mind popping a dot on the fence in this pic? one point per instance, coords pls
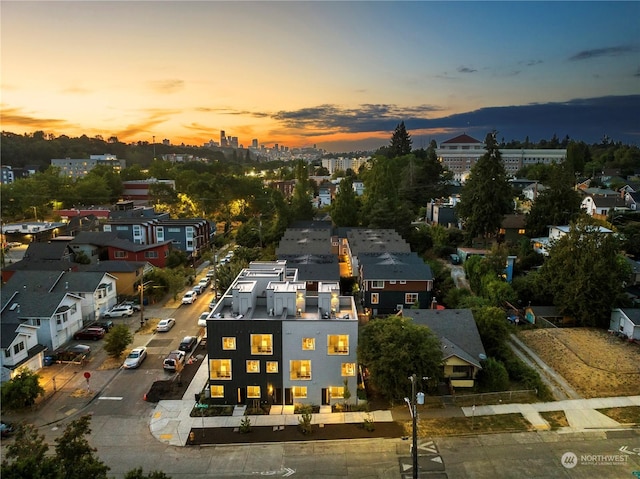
(501, 397)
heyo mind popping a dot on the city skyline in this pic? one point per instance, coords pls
(339, 75)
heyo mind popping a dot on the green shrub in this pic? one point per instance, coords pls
(245, 425)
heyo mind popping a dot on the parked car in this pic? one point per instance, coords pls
(212, 304)
(6, 429)
(165, 325)
(119, 312)
(93, 332)
(189, 297)
(71, 353)
(211, 273)
(135, 305)
(188, 343)
(199, 288)
(202, 320)
(205, 282)
(106, 324)
(135, 358)
(174, 361)
(454, 258)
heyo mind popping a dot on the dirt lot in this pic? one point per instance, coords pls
(594, 362)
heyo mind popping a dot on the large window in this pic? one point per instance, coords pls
(308, 344)
(253, 392)
(336, 392)
(220, 368)
(348, 369)
(300, 369)
(120, 254)
(411, 298)
(217, 391)
(229, 343)
(253, 366)
(338, 344)
(375, 298)
(299, 392)
(377, 284)
(262, 344)
(18, 347)
(150, 254)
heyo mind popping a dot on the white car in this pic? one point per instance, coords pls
(135, 358)
(119, 312)
(189, 297)
(202, 320)
(165, 325)
(174, 361)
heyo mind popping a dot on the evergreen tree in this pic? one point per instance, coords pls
(486, 195)
(344, 209)
(400, 141)
(301, 205)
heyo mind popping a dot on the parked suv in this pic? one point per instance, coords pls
(189, 297)
(188, 343)
(93, 333)
(119, 312)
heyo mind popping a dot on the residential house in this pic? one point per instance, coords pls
(127, 273)
(193, 236)
(532, 191)
(270, 340)
(19, 343)
(299, 241)
(390, 282)
(156, 253)
(98, 291)
(142, 189)
(462, 348)
(94, 245)
(600, 206)
(49, 256)
(512, 229)
(632, 200)
(626, 322)
(28, 299)
(326, 193)
(543, 244)
(32, 232)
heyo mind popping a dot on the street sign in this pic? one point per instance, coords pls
(87, 375)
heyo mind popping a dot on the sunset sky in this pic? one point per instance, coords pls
(340, 75)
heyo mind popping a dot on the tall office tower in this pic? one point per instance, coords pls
(223, 138)
(254, 143)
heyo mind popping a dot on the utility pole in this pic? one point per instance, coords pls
(414, 417)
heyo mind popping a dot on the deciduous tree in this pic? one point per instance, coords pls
(117, 340)
(394, 348)
(22, 390)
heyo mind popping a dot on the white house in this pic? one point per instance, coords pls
(626, 322)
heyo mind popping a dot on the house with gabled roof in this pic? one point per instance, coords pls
(600, 206)
(128, 274)
(313, 268)
(300, 241)
(30, 307)
(155, 253)
(390, 282)
(462, 348)
(97, 290)
(626, 322)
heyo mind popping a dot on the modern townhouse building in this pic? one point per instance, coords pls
(80, 167)
(270, 340)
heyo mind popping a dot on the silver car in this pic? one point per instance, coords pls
(135, 358)
(119, 312)
(165, 325)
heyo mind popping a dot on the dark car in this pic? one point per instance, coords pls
(93, 333)
(72, 353)
(106, 324)
(188, 343)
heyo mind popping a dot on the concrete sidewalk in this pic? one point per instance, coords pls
(581, 414)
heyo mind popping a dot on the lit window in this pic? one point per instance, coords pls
(338, 344)
(229, 343)
(253, 366)
(253, 392)
(521, 231)
(348, 369)
(309, 344)
(375, 298)
(272, 366)
(411, 298)
(336, 392)
(299, 391)
(220, 368)
(217, 391)
(261, 344)
(300, 369)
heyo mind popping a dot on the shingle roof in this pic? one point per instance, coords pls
(394, 266)
(633, 314)
(456, 329)
(114, 266)
(95, 238)
(54, 250)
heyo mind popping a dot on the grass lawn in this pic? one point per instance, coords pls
(452, 426)
(556, 419)
(624, 415)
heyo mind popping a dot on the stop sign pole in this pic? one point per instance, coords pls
(87, 376)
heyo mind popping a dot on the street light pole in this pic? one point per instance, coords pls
(142, 285)
(414, 417)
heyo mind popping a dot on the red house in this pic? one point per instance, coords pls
(156, 253)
